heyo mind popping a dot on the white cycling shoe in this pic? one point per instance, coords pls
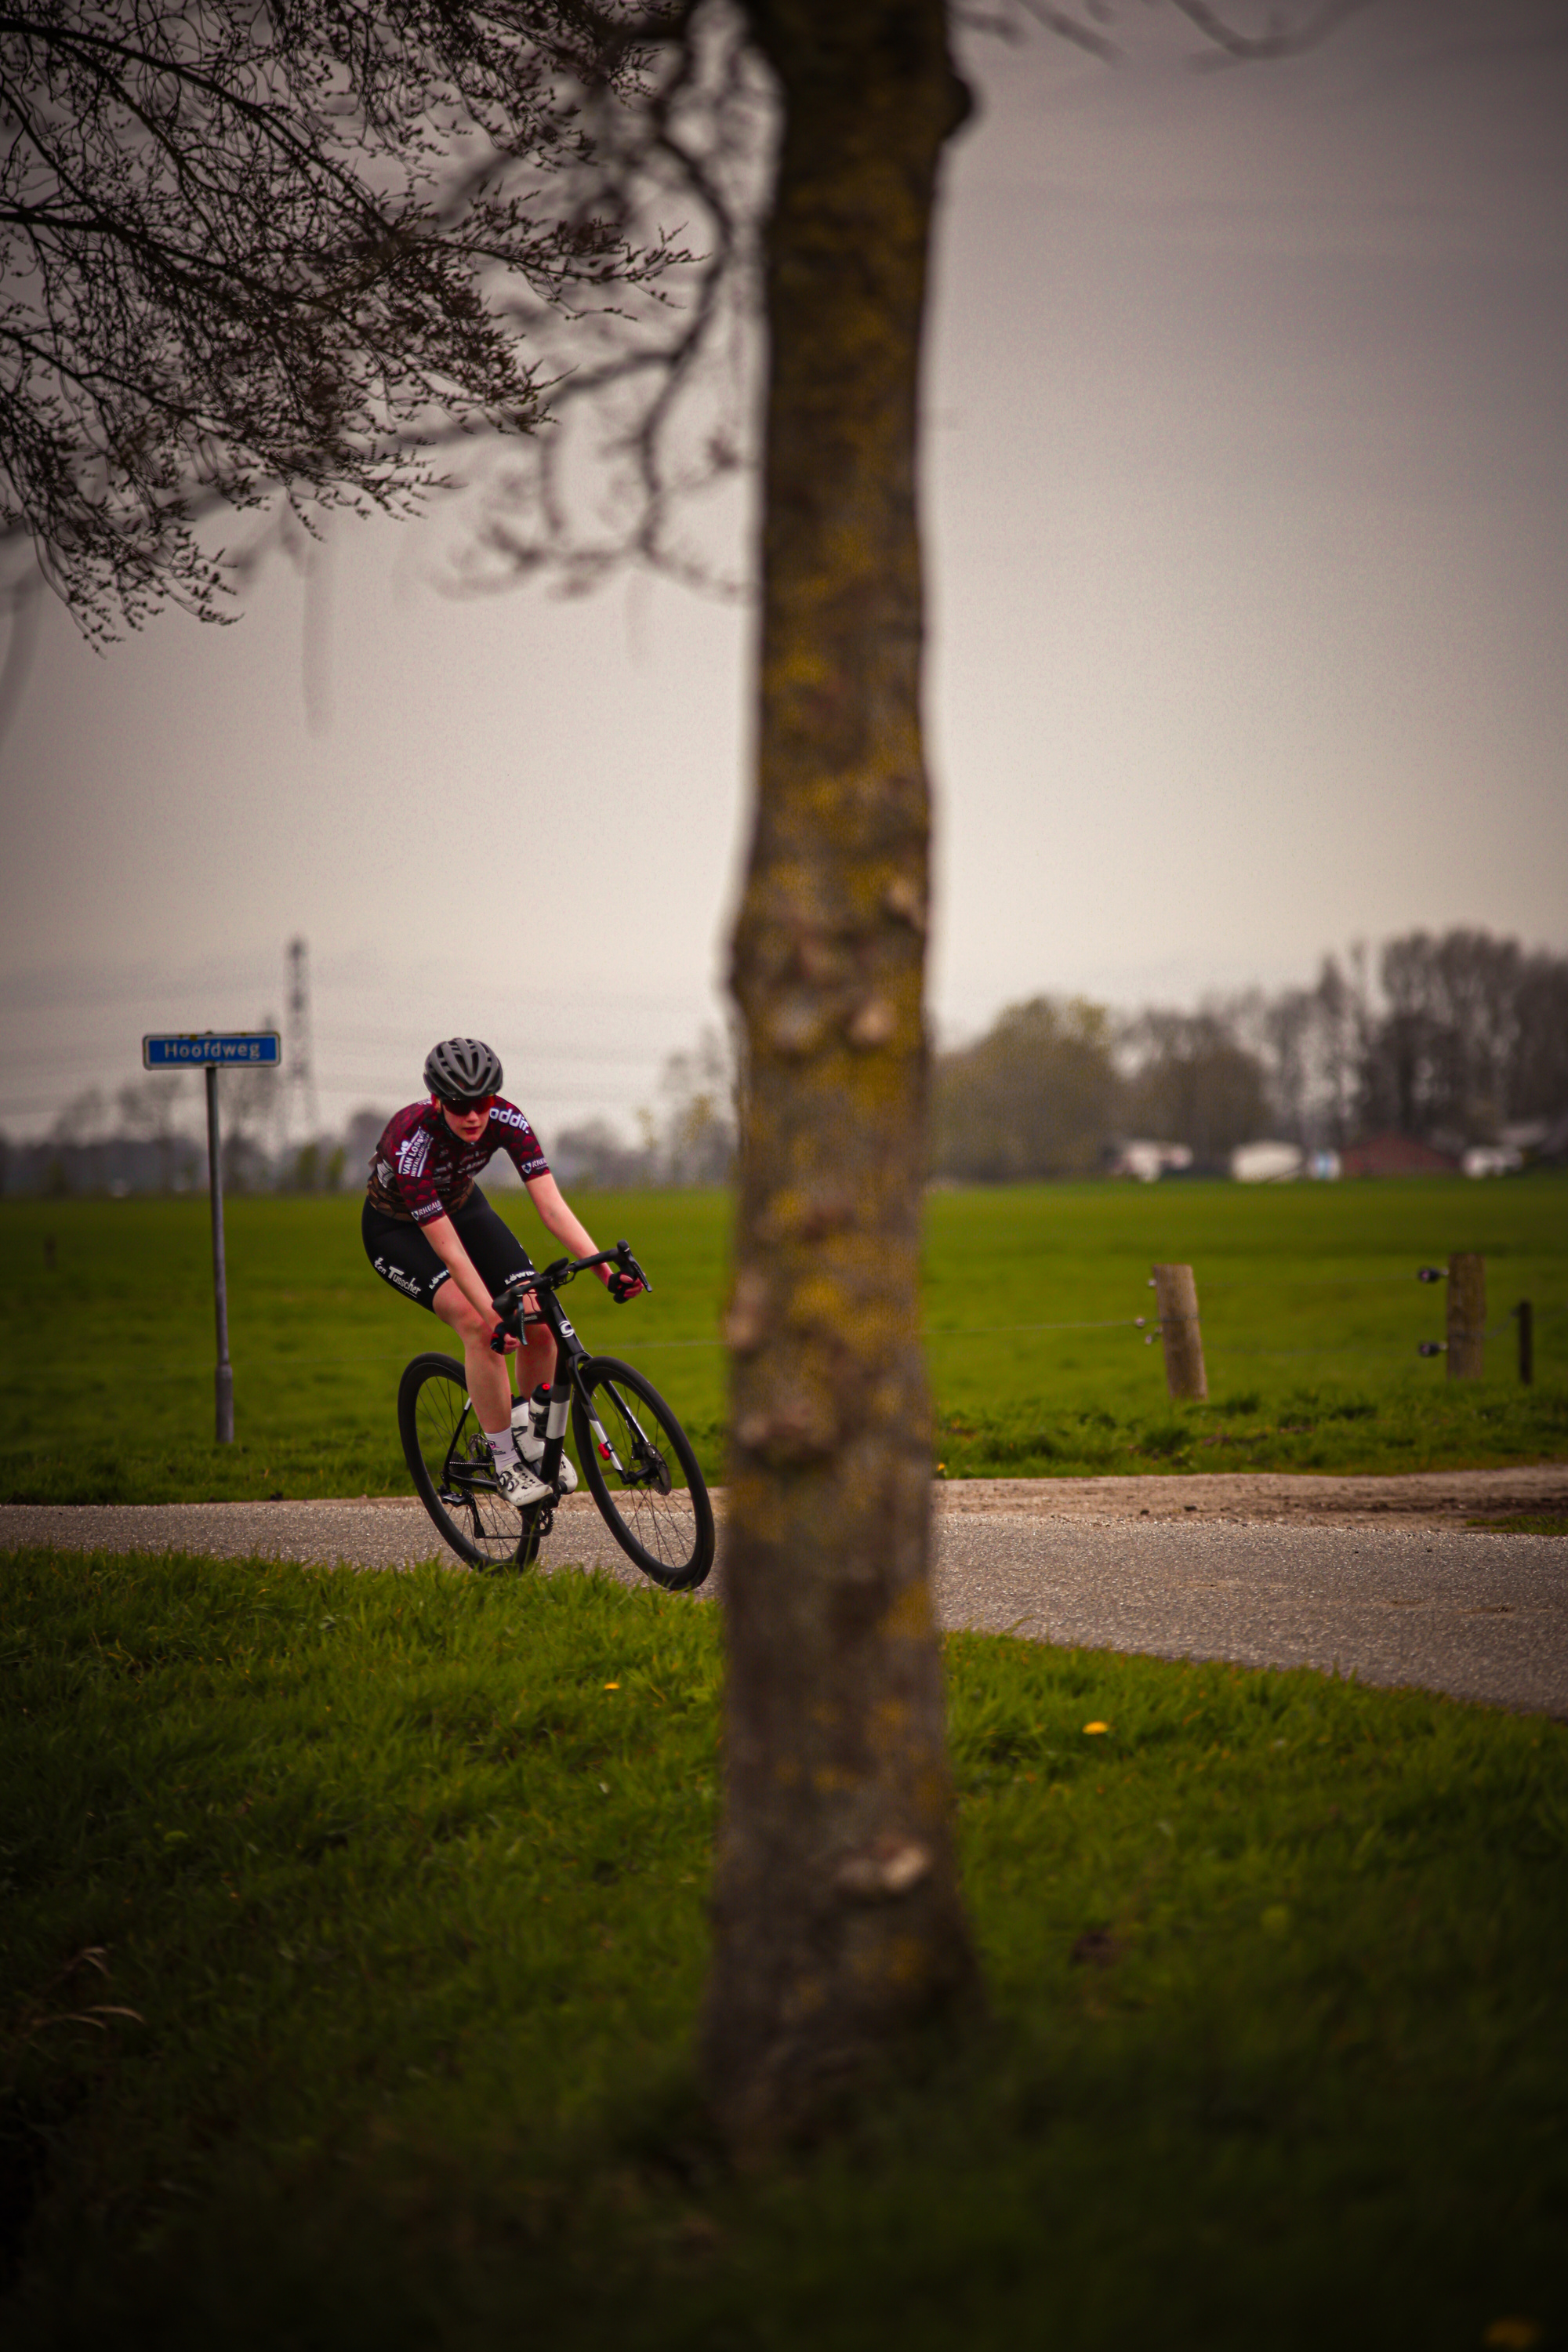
(519, 1486)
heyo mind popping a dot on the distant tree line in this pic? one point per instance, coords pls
(150, 1138)
(1452, 1039)
(690, 1138)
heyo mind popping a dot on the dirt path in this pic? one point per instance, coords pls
(1425, 1497)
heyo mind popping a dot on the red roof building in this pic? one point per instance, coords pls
(1396, 1155)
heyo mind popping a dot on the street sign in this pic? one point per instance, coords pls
(240, 1048)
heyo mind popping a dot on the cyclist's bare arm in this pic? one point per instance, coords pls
(558, 1219)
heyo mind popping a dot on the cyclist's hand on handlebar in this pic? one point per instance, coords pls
(622, 1286)
(503, 1341)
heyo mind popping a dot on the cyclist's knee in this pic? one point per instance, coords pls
(456, 1311)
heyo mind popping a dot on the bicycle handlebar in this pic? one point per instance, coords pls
(507, 1304)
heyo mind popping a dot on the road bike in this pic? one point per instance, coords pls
(634, 1454)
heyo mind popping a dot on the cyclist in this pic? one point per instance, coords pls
(431, 1234)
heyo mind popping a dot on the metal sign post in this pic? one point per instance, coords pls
(250, 1049)
(223, 1379)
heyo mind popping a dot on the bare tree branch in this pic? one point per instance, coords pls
(245, 250)
(249, 256)
(698, 144)
(1286, 41)
(1071, 29)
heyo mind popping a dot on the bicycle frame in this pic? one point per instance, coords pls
(570, 1353)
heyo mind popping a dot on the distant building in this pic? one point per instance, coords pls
(1492, 1159)
(1146, 1161)
(1266, 1163)
(1396, 1155)
(1540, 1142)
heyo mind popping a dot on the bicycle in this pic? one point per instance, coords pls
(630, 1446)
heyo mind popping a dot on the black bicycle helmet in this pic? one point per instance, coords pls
(462, 1070)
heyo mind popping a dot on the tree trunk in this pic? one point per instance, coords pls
(837, 1916)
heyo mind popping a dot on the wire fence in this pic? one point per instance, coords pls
(1549, 1317)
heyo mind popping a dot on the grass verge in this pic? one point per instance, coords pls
(1304, 1426)
(354, 1928)
(1311, 1316)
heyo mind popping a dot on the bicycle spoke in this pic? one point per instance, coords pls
(638, 1457)
(462, 1493)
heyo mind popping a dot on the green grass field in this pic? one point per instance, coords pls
(353, 1928)
(1310, 1311)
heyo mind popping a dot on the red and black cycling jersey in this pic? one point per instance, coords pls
(420, 1170)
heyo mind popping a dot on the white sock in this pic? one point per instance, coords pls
(502, 1443)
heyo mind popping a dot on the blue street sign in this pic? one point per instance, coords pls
(247, 1048)
(240, 1049)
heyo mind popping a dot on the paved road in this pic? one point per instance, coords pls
(1482, 1616)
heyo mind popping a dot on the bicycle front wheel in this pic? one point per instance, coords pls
(642, 1473)
(450, 1463)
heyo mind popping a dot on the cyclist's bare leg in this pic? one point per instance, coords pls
(536, 1360)
(489, 1383)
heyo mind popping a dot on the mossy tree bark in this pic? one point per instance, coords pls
(840, 1927)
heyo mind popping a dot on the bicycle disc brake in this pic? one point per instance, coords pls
(652, 1469)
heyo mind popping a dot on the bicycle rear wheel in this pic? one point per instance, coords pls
(450, 1464)
(642, 1473)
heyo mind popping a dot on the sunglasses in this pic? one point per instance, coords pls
(465, 1110)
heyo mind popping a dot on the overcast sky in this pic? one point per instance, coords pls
(1246, 501)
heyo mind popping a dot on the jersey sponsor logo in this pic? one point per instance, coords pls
(507, 1118)
(412, 1156)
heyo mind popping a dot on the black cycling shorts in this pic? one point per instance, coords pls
(402, 1256)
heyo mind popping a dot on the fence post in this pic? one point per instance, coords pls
(1176, 1296)
(1467, 1314)
(1526, 1314)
